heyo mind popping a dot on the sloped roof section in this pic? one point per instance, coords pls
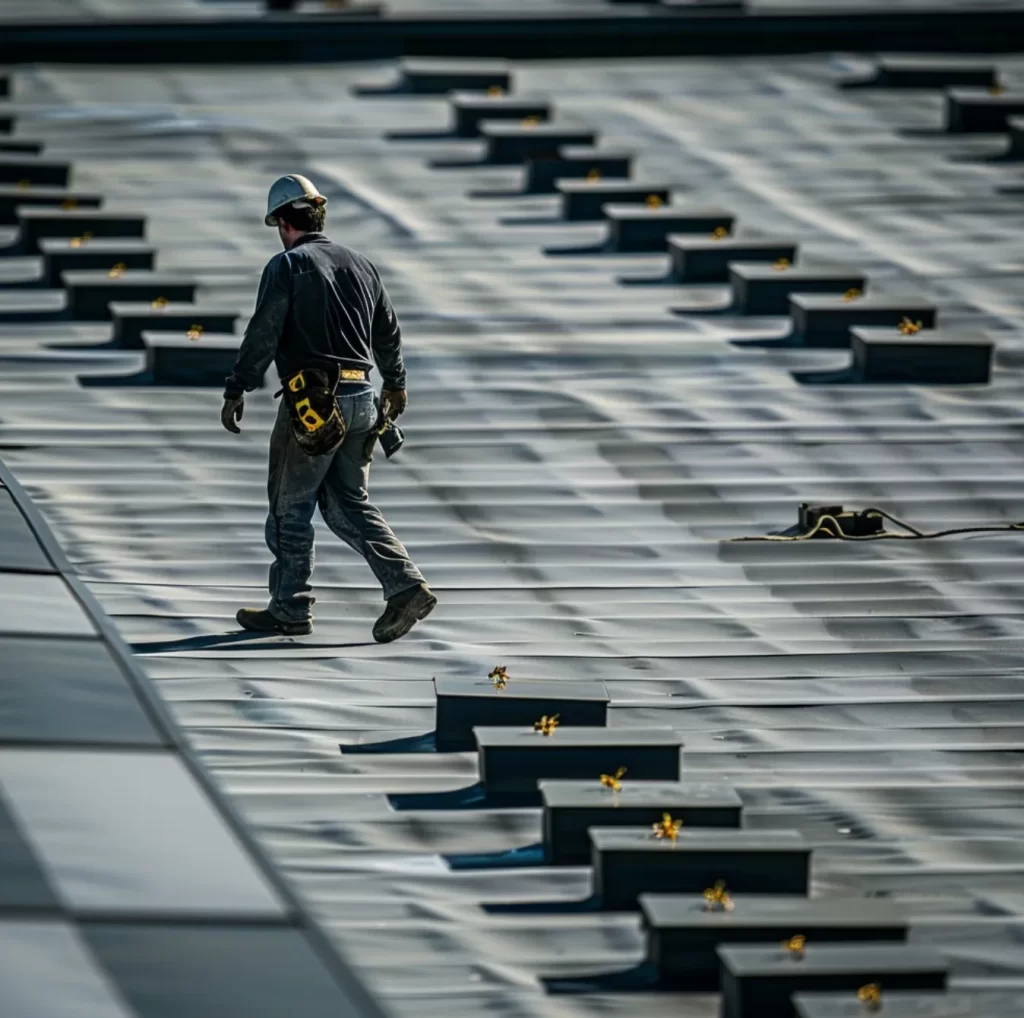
(581, 453)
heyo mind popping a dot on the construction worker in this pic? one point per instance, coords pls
(323, 316)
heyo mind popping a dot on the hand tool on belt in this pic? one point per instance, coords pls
(311, 395)
(390, 435)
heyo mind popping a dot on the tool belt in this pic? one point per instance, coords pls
(311, 396)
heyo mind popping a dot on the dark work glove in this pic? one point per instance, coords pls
(232, 412)
(393, 402)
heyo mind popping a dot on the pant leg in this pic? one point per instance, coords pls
(293, 482)
(346, 508)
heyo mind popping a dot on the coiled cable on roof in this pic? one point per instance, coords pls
(829, 525)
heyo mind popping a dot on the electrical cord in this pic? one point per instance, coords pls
(912, 533)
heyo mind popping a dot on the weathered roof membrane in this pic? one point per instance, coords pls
(578, 459)
(288, 31)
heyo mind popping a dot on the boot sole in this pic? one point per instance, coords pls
(416, 611)
(283, 630)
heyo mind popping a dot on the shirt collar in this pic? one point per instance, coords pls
(307, 237)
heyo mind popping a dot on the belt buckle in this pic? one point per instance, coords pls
(351, 375)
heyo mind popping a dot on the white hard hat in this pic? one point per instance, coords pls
(294, 190)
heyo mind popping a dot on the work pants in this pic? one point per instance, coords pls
(337, 483)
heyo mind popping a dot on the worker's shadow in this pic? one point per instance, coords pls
(215, 641)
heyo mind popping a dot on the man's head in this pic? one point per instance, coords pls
(295, 207)
(297, 219)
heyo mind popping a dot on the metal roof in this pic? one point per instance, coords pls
(577, 460)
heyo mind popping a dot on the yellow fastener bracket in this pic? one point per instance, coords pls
(195, 332)
(852, 294)
(530, 121)
(909, 328)
(593, 175)
(546, 725)
(719, 233)
(68, 204)
(79, 241)
(159, 303)
(613, 781)
(116, 271)
(717, 899)
(495, 90)
(667, 827)
(781, 265)
(871, 996)
(995, 90)
(795, 946)
(499, 676)
(24, 184)
(653, 201)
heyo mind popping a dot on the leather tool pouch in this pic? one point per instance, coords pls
(316, 422)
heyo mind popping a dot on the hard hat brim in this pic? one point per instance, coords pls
(271, 220)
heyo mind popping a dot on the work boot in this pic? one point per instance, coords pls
(259, 620)
(404, 610)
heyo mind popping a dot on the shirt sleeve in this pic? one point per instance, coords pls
(264, 331)
(387, 342)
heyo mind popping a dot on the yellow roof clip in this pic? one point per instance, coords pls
(613, 781)
(546, 725)
(870, 996)
(667, 828)
(717, 898)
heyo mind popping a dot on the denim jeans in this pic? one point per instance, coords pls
(337, 483)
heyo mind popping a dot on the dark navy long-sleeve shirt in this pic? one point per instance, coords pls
(319, 305)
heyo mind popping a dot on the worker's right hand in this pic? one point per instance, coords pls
(232, 412)
(393, 402)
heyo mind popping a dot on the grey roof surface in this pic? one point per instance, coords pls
(577, 460)
(128, 887)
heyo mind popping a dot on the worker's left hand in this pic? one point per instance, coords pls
(393, 402)
(232, 412)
